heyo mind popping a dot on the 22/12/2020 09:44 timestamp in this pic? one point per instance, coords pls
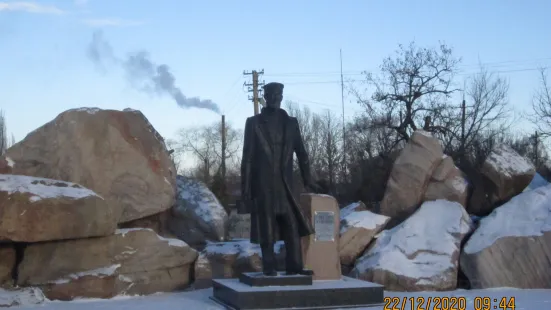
(448, 303)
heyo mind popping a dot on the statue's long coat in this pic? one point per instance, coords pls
(257, 169)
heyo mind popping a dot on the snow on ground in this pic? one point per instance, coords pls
(537, 181)
(40, 188)
(199, 300)
(527, 214)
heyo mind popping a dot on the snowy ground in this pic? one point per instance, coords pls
(525, 300)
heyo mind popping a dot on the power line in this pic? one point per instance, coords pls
(361, 80)
(508, 63)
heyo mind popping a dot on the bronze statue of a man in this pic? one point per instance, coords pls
(271, 139)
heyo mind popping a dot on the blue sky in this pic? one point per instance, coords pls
(44, 69)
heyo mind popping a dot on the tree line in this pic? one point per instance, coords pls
(413, 89)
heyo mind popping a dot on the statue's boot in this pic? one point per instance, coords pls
(268, 260)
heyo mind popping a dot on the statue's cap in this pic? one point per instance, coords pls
(273, 87)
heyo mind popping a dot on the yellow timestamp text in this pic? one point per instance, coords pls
(448, 303)
(425, 303)
(496, 303)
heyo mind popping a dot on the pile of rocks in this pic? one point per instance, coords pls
(91, 206)
(430, 237)
(425, 237)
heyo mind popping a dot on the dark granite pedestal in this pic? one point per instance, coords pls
(331, 294)
(259, 279)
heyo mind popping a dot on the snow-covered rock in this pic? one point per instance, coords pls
(230, 259)
(239, 226)
(37, 209)
(353, 207)
(21, 297)
(507, 174)
(447, 182)
(512, 246)
(132, 261)
(410, 176)
(197, 216)
(117, 154)
(356, 232)
(421, 253)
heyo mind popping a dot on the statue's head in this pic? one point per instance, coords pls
(273, 94)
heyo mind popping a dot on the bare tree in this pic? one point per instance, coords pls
(331, 156)
(4, 142)
(204, 144)
(486, 114)
(176, 155)
(414, 84)
(541, 103)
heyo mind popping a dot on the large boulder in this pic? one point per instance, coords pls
(132, 261)
(219, 260)
(157, 222)
(353, 207)
(506, 174)
(197, 216)
(239, 225)
(37, 209)
(7, 263)
(512, 246)
(117, 154)
(420, 254)
(357, 230)
(447, 182)
(410, 176)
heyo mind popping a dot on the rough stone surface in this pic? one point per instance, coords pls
(7, 263)
(448, 183)
(223, 260)
(117, 154)
(420, 254)
(157, 222)
(37, 209)
(357, 231)
(507, 174)
(132, 261)
(5, 165)
(512, 246)
(197, 216)
(410, 176)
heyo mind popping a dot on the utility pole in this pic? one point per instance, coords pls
(253, 87)
(343, 124)
(223, 134)
(462, 149)
(536, 142)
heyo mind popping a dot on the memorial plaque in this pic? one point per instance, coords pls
(324, 225)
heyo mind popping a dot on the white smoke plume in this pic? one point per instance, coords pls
(143, 74)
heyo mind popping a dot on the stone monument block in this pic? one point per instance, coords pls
(321, 250)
